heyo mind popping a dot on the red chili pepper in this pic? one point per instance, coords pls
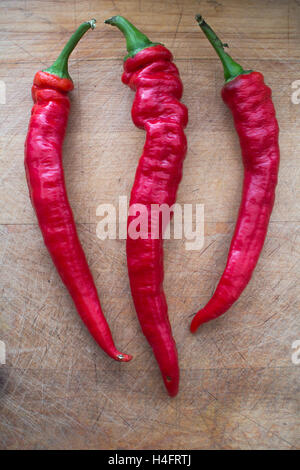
(148, 69)
(249, 100)
(45, 178)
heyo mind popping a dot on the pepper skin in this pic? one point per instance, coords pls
(45, 178)
(249, 100)
(150, 72)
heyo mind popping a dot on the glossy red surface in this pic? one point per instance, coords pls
(254, 117)
(157, 109)
(45, 178)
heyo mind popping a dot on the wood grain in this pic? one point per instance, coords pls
(239, 387)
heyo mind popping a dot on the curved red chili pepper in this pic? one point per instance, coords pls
(45, 178)
(249, 100)
(150, 72)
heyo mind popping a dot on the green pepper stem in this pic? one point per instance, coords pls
(60, 66)
(136, 41)
(231, 68)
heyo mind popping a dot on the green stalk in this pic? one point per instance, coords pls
(231, 68)
(60, 66)
(136, 41)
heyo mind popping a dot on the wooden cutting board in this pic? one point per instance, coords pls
(239, 387)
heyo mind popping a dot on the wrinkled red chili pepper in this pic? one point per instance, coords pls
(249, 100)
(148, 69)
(45, 178)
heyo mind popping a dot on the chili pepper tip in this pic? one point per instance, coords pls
(60, 66)
(124, 357)
(136, 41)
(92, 22)
(109, 20)
(199, 18)
(231, 68)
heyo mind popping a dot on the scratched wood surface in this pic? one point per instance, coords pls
(239, 387)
